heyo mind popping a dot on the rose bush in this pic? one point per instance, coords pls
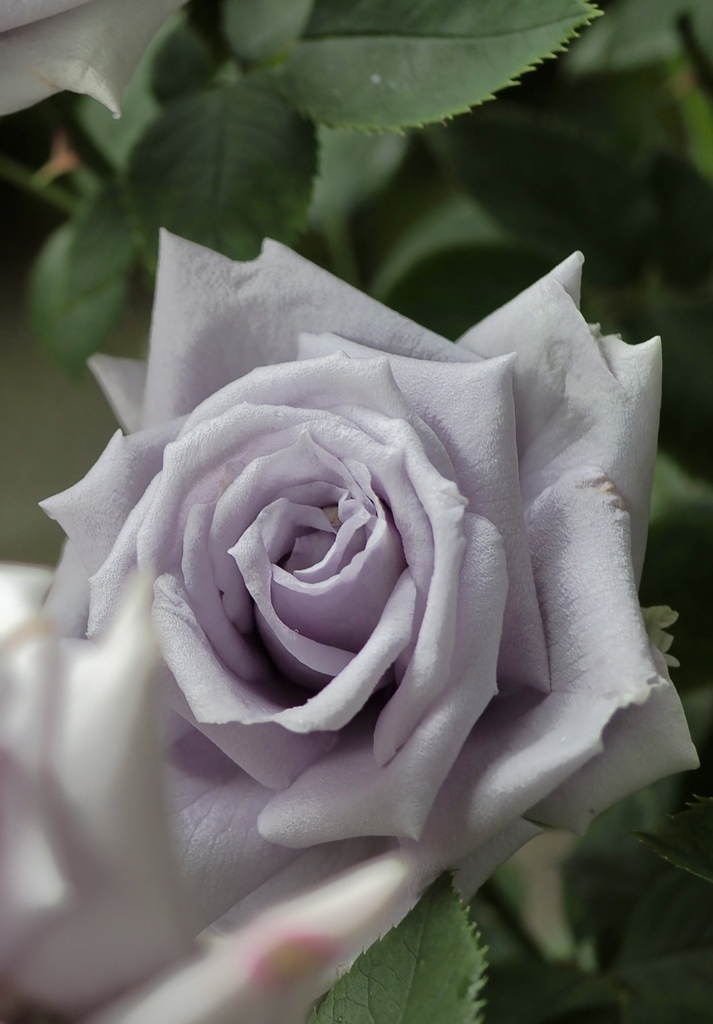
(88, 46)
(396, 578)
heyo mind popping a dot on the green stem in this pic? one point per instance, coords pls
(491, 895)
(22, 177)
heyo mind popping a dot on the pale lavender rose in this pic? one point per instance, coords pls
(94, 917)
(397, 577)
(87, 46)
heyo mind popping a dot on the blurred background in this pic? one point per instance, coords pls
(607, 148)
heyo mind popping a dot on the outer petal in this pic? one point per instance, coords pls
(90, 48)
(14, 13)
(123, 381)
(215, 320)
(223, 857)
(124, 916)
(641, 744)
(22, 589)
(92, 512)
(525, 747)
(581, 399)
(67, 602)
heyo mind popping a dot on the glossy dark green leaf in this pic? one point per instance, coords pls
(257, 29)
(687, 839)
(554, 187)
(387, 64)
(78, 285)
(225, 167)
(430, 968)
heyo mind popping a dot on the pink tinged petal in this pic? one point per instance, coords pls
(123, 381)
(471, 410)
(347, 793)
(89, 48)
(22, 591)
(271, 971)
(215, 320)
(565, 369)
(34, 888)
(128, 919)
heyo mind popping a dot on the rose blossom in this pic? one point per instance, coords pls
(396, 592)
(93, 914)
(88, 46)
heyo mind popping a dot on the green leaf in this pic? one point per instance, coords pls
(554, 187)
(635, 33)
(687, 839)
(609, 869)
(352, 169)
(665, 964)
(430, 968)
(456, 222)
(257, 29)
(452, 290)
(115, 138)
(225, 167)
(182, 64)
(533, 992)
(78, 286)
(388, 64)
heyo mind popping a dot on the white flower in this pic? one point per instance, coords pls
(94, 917)
(86, 46)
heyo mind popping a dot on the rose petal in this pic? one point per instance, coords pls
(347, 793)
(215, 320)
(564, 371)
(471, 410)
(89, 48)
(123, 381)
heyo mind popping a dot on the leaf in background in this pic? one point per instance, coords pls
(225, 167)
(535, 992)
(687, 839)
(452, 290)
(389, 64)
(665, 962)
(257, 29)
(686, 330)
(555, 188)
(78, 285)
(456, 222)
(352, 169)
(182, 64)
(684, 238)
(115, 138)
(428, 969)
(609, 869)
(635, 33)
(681, 535)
